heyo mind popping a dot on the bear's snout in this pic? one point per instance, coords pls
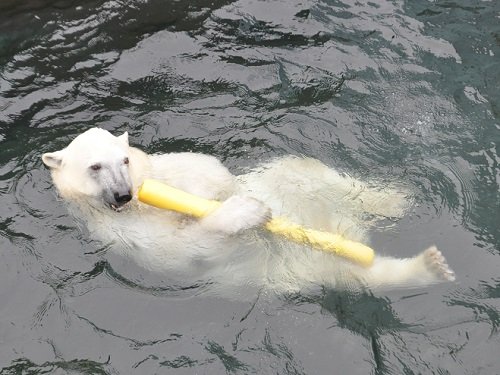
(122, 198)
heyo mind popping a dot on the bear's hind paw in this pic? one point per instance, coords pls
(437, 265)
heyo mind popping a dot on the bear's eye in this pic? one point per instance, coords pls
(125, 161)
(95, 167)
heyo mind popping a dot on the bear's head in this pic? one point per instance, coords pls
(94, 166)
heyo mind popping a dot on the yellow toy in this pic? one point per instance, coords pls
(160, 195)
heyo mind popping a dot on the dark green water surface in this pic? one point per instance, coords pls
(406, 91)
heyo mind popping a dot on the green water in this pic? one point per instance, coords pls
(391, 90)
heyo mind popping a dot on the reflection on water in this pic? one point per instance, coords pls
(390, 90)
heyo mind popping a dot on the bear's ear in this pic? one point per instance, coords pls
(124, 138)
(53, 160)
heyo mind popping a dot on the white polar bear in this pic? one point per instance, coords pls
(99, 174)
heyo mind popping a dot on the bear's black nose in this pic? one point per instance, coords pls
(122, 198)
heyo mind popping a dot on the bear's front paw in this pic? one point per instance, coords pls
(238, 213)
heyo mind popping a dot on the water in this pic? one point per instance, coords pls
(390, 90)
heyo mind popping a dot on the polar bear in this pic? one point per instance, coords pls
(98, 174)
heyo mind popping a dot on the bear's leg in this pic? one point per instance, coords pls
(428, 267)
(300, 181)
(386, 202)
(377, 200)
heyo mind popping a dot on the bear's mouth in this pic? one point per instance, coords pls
(117, 200)
(118, 208)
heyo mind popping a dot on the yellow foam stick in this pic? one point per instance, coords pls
(160, 195)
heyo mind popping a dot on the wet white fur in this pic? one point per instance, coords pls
(229, 246)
